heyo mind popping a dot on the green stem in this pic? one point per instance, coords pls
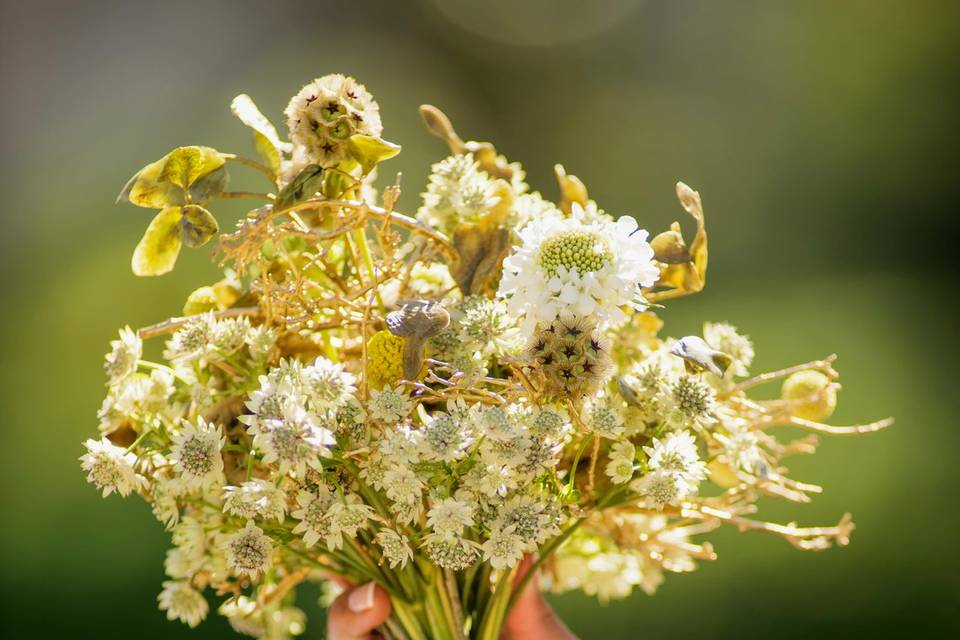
(360, 236)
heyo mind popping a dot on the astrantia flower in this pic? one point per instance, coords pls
(327, 385)
(677, 453)
(351, 419)
(122, 359)
(587, 269)
(605, 417)
(531, 518)
(230, 334)
(270, 401)
(451, 553)
(260, 340)
(196, 455)
(325, 113)
(458, 191)
(486, 325)
(194, 340)
(182, 602)
(401, 484)
(389, 405)
(445, 438)
(255, 499)
(691, 403)
(450, 516)
(248, 551)
(659, 488)
(395, 547)
(504, 548)
(312, 514)
(109, 467)
(294, 442)
(346, 518)
(621, 466)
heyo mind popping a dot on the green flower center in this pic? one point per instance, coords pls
(578, 250)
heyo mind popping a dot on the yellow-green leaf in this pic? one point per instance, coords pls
(197, 226)
(370, 150)
(162, 183)
(307, 183)
(158, 249)
(265, 137)
(186, 165)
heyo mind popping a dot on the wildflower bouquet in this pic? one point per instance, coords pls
(424, 401)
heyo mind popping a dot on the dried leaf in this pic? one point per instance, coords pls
(164, 183)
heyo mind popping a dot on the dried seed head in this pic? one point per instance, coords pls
(573, 357)
(418, 319)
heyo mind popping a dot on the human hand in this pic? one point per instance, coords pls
(357, 612)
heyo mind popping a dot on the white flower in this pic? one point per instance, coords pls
(401, 484)
(504, 548)
(269, 401)
(677, 454)
(395, 547)
(312, 515)
(294, 442)
(109, 467)
(449, 552)
(194, 340)
(389, 405)
(260, 341)
(248, 551)
(605, 417)
(182, 602)
(691, 403)
(346, 518)
(458, 191)
(585, 269)
(229, 334)
(196, 455)
(122, 359)
(660, 488)
(255, 499)
(532, 519)
(449, 516)
(327, 385)
(620, 468)
(446, 438)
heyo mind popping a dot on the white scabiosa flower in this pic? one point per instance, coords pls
(182, 602)
(248, 551)
(325, 113)
(504, 548)
(449, 516)
(620, 468)
(389, 405)
(584, 269)
(109, 467)
(395, 547)
(124, 355)
(196, 455)
(255, 499)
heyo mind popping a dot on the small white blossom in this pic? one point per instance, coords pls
(677, 454)
(504, 548)
(248, 551)
(182, 602)
(255, 499)
(620, 468)
(109, 467)
(294, 442)
(346, 518)
(389, 405)
(124, 355)
(395, 547)
(196, 455)
(659, 488)
(327, 385)
(450, 516)
(312, 515)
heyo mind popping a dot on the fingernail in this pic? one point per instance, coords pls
(361, 598)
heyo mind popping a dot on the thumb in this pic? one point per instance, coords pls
(355, 614)
(531, 617)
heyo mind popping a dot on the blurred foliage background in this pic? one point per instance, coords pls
(818, 132)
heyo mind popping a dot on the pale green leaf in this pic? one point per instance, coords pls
(157, 251)
(162, 183)
(370, 150)
(265, 137)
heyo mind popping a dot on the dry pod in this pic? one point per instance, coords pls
(417, 321)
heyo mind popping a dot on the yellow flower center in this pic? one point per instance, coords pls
(578, 250)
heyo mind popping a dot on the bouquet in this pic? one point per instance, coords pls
(424, 401)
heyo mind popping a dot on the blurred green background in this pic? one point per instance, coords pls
(820, 134)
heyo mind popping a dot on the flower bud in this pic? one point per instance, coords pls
(813, 393)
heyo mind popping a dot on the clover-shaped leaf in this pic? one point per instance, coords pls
(197, 171)
(197, 226)
(265, 137)
(157, 251)
(370, 150)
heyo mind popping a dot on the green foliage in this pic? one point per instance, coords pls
(369, 151)
(197, 226)
(157, 251)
